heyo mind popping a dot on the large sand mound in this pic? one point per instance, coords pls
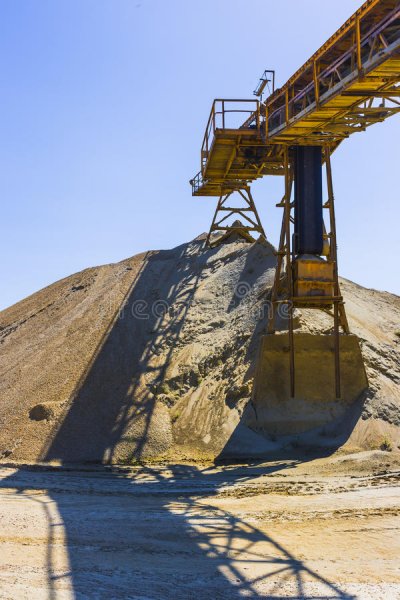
(153, 357)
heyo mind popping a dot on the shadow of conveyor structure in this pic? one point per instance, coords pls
(117, 413)
(113, 403)
(223, 554)
(155, 533)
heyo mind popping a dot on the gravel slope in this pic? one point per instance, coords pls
(153, 358)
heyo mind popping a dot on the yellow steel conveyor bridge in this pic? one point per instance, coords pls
(350, 83)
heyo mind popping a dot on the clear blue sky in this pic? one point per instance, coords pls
(103, 107)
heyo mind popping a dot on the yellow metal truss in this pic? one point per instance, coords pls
(350, 83)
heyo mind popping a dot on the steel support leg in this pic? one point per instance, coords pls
(339, 314)
(248, 213)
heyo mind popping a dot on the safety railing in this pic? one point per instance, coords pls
(197, 182)
(361, 44)
(229, 114)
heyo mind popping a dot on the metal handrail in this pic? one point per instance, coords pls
(355, 55)
(219, 108)
(197, 182)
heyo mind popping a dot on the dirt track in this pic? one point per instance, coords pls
(289, 529)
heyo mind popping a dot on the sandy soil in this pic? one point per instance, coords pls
(294, 528)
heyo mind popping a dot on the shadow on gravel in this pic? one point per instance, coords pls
(320, 442)
(155, 534)
(112, 403)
